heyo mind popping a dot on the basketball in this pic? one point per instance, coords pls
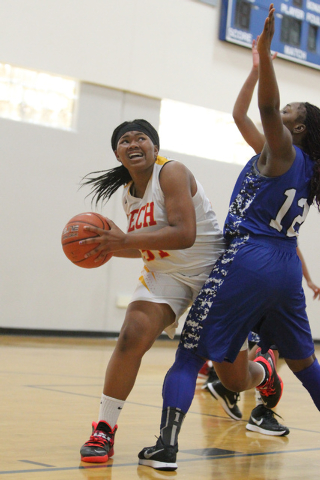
(73, 232)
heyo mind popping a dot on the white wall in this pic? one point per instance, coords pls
(156, 48)
(309, 245)
(159, 48)
(40, 173)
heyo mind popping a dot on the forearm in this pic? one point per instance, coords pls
(268, 91)
(245, 125)
(305, 271)
(244, 98)
(167, 238)
(132, 253)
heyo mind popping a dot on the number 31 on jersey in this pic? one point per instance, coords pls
(149, 255)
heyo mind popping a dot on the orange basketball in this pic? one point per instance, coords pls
(73, 232)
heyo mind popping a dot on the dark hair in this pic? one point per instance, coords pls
(106, 184)
(103, 186)
(138, 125)
(311, 145)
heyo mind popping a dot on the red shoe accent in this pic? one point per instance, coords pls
(101, 440)
(205, 369)
(272, 388)
(94, 426)
(95, 459)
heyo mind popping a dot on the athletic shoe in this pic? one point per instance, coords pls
(160, 457)
(262, 421)
(205, 369)
(227, 399)
(212, 377)
(99, 447)
(271, 389)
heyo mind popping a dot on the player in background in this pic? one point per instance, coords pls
(256, 283)
(262, 419)
(306, 274)
(172, 226)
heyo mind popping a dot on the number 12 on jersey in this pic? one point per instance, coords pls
(276, 223)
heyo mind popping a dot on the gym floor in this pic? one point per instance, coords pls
(50, 391)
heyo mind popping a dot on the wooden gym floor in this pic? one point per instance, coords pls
(50, 390)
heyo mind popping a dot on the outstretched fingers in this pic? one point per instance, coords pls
(264, 40)
(269, 23)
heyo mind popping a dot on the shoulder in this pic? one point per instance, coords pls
(303, 162)
(301, 158)
(301, 154)
(175, 177)
(169, 167)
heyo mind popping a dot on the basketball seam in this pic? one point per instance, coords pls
(86, 223)
(99, 217)
(70, 240)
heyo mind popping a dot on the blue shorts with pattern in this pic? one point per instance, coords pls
(256, 285)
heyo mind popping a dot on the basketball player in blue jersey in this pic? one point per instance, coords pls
(256, 284)
(262, 419)
(172, 227)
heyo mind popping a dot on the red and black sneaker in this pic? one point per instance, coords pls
(205, 369)
(99, 447)
(271, 389)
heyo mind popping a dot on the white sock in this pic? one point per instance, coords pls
(262, 371)
(258, 398)
(110, 409)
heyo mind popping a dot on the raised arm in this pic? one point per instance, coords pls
(278, 153)
(247, 128)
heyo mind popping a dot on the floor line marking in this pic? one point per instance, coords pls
(197, 459)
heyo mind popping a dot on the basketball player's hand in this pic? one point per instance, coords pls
(255, 54)
(109, 240)
(316, 290)
(264, 40)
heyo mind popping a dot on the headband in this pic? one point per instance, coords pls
(136, 126)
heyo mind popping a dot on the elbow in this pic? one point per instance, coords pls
(188, 239)
(236, 116)
(239, 119)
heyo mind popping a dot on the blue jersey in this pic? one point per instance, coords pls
(270, 206)
(255, 284)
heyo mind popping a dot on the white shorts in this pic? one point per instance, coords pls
(177, 290)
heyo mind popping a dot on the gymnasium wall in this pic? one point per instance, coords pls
(159, 48)
(41, 173)
(128, 55)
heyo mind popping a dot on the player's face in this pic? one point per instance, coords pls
(293, 114)
(135, 150)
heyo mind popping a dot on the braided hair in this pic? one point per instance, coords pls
(105, 185)
(311, 145)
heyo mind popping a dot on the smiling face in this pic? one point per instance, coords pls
(136, 151)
